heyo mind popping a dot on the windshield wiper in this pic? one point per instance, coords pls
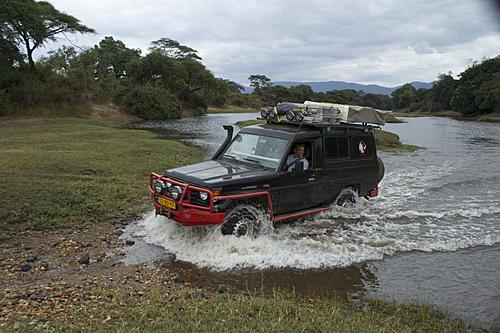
(231, 157)
(254, 161)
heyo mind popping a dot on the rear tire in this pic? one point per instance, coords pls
(380, 169)
(242, 220)
(347, 198)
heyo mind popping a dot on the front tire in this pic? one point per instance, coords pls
(243, 220)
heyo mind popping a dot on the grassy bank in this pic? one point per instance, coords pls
(386, 141)
(191, 310)
(75, 172)
(230, 109)
(391, 119)
(490, 118)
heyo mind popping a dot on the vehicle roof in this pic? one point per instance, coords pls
(288, 131)
(283, 131)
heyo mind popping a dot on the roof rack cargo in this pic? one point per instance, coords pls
(323, 114)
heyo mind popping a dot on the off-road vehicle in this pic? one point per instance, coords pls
(249, 176)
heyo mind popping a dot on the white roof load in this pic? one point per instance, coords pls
(350, 113)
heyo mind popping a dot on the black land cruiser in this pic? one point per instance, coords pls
(249, 175)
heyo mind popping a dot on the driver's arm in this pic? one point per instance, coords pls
(306, 164)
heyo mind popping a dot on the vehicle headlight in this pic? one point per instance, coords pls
(290, 115)
(158, 185)
(264, 113)
(203, 196)
(175, 191)
(299, 116)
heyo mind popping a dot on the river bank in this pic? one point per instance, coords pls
(68, 186)
(489, 118)
(392, 117)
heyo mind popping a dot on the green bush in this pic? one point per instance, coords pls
(151, 102)
(3, 103)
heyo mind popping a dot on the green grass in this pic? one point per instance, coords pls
(231, 109)
(386, 141)
(75, 172)
(390, 118)
(245, 123)
(192, 311)
(491, 117)
(389, 142)
(408, 113)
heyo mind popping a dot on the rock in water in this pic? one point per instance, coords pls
(25, 267)
(178, 278)
(84, 259)
(31, 258)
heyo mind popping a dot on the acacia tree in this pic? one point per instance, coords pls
(173, 49)
(35, 23)
(113, 57)
(258, 82)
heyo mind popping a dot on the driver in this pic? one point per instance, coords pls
(298, 155)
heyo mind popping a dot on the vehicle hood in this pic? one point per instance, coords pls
(216, 172)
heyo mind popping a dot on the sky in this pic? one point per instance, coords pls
(387, 42)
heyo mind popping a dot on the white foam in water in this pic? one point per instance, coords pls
(395, 222)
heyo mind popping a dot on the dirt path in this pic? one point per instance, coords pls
(45, 273)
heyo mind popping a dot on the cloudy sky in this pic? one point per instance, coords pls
(387, 42)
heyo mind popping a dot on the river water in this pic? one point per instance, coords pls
(432, 236)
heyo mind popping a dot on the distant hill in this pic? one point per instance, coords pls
(341, 85)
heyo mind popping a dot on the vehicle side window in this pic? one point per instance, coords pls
(331, 149)
(343, 147)
(336, 147)
(362, 147)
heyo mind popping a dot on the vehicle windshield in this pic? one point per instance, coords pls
(263, 150)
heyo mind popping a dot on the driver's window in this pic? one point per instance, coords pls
(301, 151)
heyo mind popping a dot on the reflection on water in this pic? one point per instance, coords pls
(432, 235)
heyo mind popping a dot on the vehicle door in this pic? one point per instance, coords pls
(298, 188)
(337, 168)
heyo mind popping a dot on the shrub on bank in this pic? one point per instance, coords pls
(151, 102)
(3, 103)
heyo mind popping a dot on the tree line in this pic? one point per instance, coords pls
(475, 92)
(159, 84)
(171, 77)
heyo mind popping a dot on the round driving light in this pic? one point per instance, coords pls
(299, 116)
(203, 196)
(264, 113)
(273, 115)
(158, 185)
(290, 116)
(175, 191)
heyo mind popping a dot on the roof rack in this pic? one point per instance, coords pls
(321, 126)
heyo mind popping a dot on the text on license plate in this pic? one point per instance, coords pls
(166, 202)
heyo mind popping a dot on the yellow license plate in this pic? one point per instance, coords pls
(167, 202)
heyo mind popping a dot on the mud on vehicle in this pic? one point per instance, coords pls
(250, 175)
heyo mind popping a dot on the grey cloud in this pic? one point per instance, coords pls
(383, 41)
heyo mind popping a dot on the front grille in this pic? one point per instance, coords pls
(195, 199)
